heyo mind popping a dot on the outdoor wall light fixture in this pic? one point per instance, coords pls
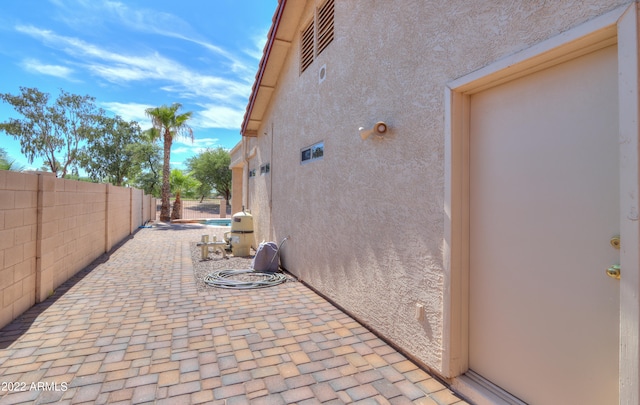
(380, 128)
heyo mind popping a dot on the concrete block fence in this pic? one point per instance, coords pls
(52, 228)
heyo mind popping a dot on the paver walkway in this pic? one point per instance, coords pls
(134, 329)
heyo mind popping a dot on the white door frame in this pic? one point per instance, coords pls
(617, 26)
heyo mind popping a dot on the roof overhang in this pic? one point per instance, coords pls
(279, 39)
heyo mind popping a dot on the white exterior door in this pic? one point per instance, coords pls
(544, 204)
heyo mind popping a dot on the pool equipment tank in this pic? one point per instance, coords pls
(241, 235)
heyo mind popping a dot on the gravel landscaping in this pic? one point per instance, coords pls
(215, 261)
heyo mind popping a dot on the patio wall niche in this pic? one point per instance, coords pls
(52, 228)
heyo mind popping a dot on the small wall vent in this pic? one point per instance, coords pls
(322, 74)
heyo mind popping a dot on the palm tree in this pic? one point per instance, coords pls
(169, 124)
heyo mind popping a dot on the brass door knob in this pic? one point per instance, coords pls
(614, 271)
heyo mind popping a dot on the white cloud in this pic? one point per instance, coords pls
(259, 41)
(165, 24)
(129, 111)
(181, 150)
(215, 116)
(185, 146)
(35, 66)
(221, 99)
(82, 12)
(206, 142)
(121, 68)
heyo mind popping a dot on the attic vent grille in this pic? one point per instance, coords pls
(306, 49)
(317, 35)
(325, 25)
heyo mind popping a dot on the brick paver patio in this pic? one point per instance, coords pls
(134, 329)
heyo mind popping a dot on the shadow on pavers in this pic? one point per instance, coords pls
(169, 226)
(16, 328)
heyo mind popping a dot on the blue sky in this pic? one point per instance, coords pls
(135, 54)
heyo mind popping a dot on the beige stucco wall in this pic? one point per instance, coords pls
(237, 178)
(118, 219)
(72, 229)
(18, 217)
(51, 228)
(367, 222)
(137, 200)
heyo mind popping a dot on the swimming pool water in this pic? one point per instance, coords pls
(218, 222)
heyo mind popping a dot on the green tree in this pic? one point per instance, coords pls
(51, 131)
(211, 169)
(169, 124)
(6, 163)
(181, 184)
(148, 158)
(108, 155)
(184, 184)
(77, 177)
